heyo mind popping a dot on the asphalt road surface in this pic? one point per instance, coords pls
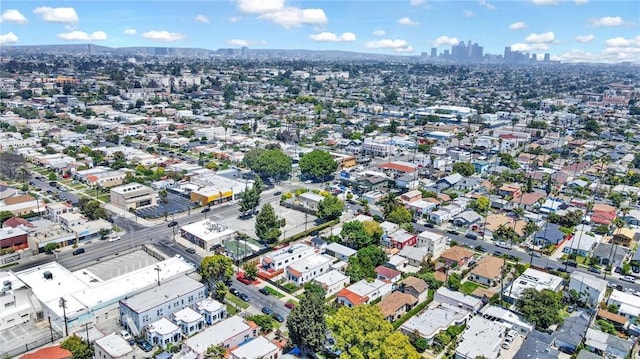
(259, 300)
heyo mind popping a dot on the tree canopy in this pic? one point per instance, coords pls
(268, 224)
(250, 197)
(306, 322)
(271, 163)
(464, 168)
(216, 268)
(330, 208)
(361, 332)
(399, 215)
(318, 163)
(480, 205)
(363, 264)
(355, 236)
(78, 347)
(542, 308)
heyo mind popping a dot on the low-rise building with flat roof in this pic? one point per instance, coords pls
(467, 302)
(506, 318)
(162, 333)
(531, 278)
(435, 319)
(132, 195)
(332, 282)
(481, 338)
(279, 259)
(590, 288)
(112, 346)
(306, 269)
(15, 301)
(259, 347)
(190, 321)
(228, 333)
(207, 234)
(212, 310)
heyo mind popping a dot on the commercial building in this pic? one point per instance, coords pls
(482, 338)
(207, 234)
(112, 346)
(132, 195)
(15, 238)
(159, 301)
(435, 319)
(531, 278)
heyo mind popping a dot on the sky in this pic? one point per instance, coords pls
(570, 30)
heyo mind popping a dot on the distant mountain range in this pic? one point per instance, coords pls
(90, 49)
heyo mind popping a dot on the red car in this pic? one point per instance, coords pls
(242, 279)
(290, 305)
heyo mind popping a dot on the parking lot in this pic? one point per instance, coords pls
(121, 265)
(175, 204)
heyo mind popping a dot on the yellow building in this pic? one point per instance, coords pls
(211, 195)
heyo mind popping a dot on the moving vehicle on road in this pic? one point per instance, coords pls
(78, 251)
(595, 270)
(205, 210)
(628, 278)
(172, 224)
(278, 317)
(190, 250)
(264, 291)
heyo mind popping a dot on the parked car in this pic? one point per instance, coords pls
(267, 310)
(618, 270)
(504, 245)
(471, 236)
(78, 251)
(497, 253)
(125, 335)
(242, 279)
(290, 305)
(172, 224)
(595, 270)
(480, 249)
(145, 345)
(190, 250)
(244, 297)
(628, 278)
(278, 317)
(205, 210)
(233, 291)
(277, 193)
(264, 291)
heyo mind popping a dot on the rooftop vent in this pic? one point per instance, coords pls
(47, 275)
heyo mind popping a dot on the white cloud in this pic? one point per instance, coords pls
(609, 55)
(540, 38)
(332, 37)
(519, 25)
(545, 2)
(238, 42)
(163, 36)
(585, 38)
(201, 19)
(417, 2)
(130, 32)
(78, 35)
(8, 38)
(378, 33)
(61, 15)
(13, 15)
(445, 40)
(389, 44)
(581, 2)
(529, 47)
(292, 17)
(407, 21)
(469, 13)
(235, 19)
(487, 4)
(260, 6)
(622, 42)
(608, 21)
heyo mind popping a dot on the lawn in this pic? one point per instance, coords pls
(104, 198)
(273, 292)
(231, 310)
(237, 301)
(290, 287)
(468, 287)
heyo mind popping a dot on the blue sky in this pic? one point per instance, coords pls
(571, 30)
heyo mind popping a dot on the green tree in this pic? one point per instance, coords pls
(271, 163)
(216, 268)
(354, 235)
(373, 230)
(399, 215)
(268, 224)
(52, 176)
(318, 163)
(79, 348)
(4, 215)
(362, 332)
(250, 270)
(363, 264)
(508, 161)
(330, 208)
(250, 197)
(481, 205)
(542, 308)
(306, 323)
(464, 168)
(454, 280)
(264, 321)
(215, 352)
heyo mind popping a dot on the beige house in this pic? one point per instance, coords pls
(132, 195)
(488, 271)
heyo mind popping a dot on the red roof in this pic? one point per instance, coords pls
(352, 297)
(49, 353)
(387, 272)
(601, 217)
(397, 167)
(15, 222)
(508, 136)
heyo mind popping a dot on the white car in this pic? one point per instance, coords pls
(114, 238)
(628, 278)
(125, 335)
(504, 245)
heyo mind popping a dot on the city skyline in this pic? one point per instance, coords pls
(577, 30)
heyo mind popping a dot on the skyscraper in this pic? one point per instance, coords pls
(507, 54)
(434, 52)
(547, 57)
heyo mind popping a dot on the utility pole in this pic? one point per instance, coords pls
(63, 303)
(158, 270)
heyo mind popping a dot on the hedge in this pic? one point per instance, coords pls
(303, 234)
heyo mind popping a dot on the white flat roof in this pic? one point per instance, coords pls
(114, 345)
(163, 293)
(435, 319)
(162, 326)
(481, 338)
(310, 262)
(217, 334)
(532, 278)
(256, 348)
(330, 278)
(208, 230)
(187, 315)
(210, 305)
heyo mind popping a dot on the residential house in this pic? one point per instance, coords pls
(304, 270)
(468, 184)
(401, 238)
(190, 321)
(411, 196)
(339, 251)
(531, 278)
(550, 233)
(22, 205)
(415, 287)
(619, 322)
(511, 190)
(415, 255)
(396, 169)
(448, 181)
(279, 259)
(456, 256)
(628, 304)
(528, 201)
(162, 333)
(488, 271)
(467, 219)
(310, 200)
(370, 183)
(437, 318)
(624, 236)
(332, 282)
(111, 346)
(590, 288)
(632, 218)
(507, 318)
(212, 310)
(259, 347)
(466, 302)
(610, 254)
(363, 292)
(607, 345)
(481, 338)
(228, 333)
(396, 304)
(388, 274)
(603, 218)
(571, 332)
(581, 243)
